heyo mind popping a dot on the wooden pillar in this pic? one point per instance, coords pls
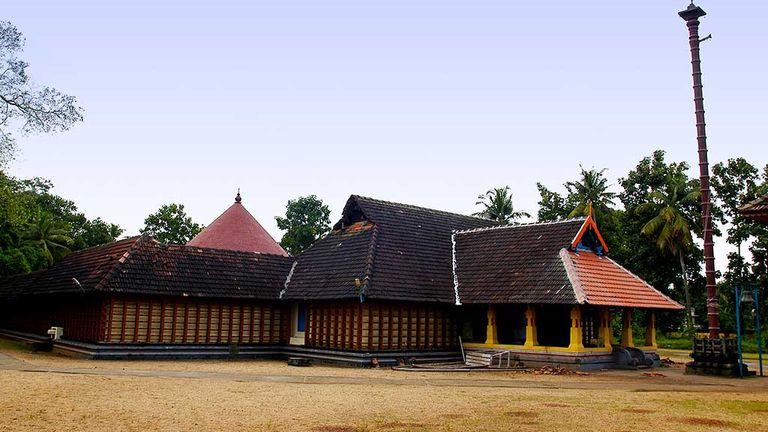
(606, 332)
(531, 336)
(650, 329)
(626, 328)
(491, 333)
(576, 343)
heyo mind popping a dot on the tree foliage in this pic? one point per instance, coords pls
(25, 107)
(498, 206)
(620, 221)
(590, 194)
(171, 225)
(671, 227)
(38, 227)
(735, 183)
(306, 220)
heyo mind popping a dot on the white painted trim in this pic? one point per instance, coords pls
(454, 265)
(570, 270)
(288, 280)
(499, 227)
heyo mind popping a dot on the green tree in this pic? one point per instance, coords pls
(25, 205)
(591, 194)
(88, 233)
(25, 107)
(735, 184)
(552, 205)
(671, 226)
(306, 220)
(643, 257)
(588, 195)
(49, 235)
(497, 206)
(170, 224)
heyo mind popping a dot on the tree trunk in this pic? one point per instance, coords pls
(688, 307)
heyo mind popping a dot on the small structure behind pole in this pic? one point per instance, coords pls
(737, 292)
(757, 210)
(758, 335)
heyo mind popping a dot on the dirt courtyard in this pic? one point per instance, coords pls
(48, 392)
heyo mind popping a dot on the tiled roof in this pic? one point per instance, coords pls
(602, 282)
(537, 263)
(757, 209)
(404, 253)
(515, 264)
(143, 266)
(79, 271)
(236, 229)
(329, 268)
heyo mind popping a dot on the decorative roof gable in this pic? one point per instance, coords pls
(556, 262)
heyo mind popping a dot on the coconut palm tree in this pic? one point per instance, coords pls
(591, 194)
(497, 206)
(49, 235)
(671, 226)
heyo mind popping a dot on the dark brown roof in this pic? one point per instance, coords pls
(396, 251)
(757, 209)
(515, 264)
(77, 272)
(553, 263)
(141, 265)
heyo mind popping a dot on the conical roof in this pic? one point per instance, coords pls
(236, 229)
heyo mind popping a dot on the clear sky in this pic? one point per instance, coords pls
(423, 102)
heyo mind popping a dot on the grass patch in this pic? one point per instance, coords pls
(10, 345)
(676, 341)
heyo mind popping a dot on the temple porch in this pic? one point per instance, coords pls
(578, 336)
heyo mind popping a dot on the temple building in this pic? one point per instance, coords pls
(391, 282)
(137, 298)
(756, 210)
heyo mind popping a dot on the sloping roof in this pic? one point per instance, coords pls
(603, 282)
(547, 263)
(141, 265)
(757, 209)
(515, 264)
(329, 268)
(396, 251)
(236, 229)
(77, 272)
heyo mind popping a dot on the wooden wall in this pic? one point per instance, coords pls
(79, 315)
(194, 321)
(380, 326)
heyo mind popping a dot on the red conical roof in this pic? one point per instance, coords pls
(237, 229)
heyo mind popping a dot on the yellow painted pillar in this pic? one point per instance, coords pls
(576, 343)
(491, 335)
(626, 328)
(531, 337)
(606, 332)
(650, 330)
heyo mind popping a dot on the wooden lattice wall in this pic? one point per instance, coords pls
(79, 315)
(380, 326)
(194, 321)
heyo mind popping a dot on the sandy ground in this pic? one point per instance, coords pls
(50, 392)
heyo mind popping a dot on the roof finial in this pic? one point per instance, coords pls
(237, 197)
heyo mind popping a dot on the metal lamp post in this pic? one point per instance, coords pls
(748, 295)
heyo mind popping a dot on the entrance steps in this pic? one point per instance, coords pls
(491, 358)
